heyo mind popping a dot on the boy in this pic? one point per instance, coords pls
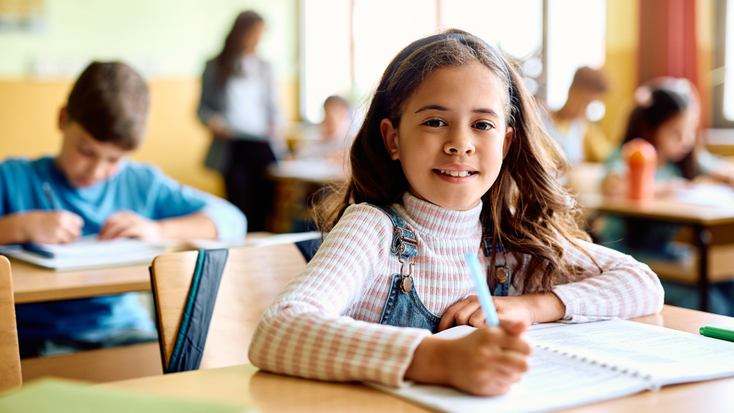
(581, 140)
(90, 188)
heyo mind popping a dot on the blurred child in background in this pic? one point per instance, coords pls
(580, 139)
(91, 187)
(667, 115)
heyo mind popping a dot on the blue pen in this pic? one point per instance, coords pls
(48, 192)
(480, 285)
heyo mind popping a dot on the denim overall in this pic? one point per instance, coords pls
(501, 269)
(403, 307)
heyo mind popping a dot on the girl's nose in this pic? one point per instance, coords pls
(459, 143)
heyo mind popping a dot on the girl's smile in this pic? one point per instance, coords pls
(452, 136)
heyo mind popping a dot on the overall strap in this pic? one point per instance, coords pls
(487, 243)
(403, 239)
(501, 269)
(405, 245)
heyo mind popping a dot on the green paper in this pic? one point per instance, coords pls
(59, 396)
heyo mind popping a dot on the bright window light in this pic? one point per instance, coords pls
(576, 37)
(518, 38)
(325, 48)
(381, 29)
(729, 63)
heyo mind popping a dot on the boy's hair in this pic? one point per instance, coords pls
(336, 100)
(526, 209)
(656, 104)
(110, 101)
(588, 78)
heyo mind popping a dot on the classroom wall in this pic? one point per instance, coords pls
(168, 41)
(621, 63)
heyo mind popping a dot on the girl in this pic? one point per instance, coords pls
(450, 159)
(666, 115)
(238, 105)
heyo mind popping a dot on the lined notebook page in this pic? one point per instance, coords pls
(670, 356)
(577, 364)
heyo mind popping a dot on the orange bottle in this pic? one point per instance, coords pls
(642, 161)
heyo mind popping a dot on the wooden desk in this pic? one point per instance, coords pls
(295, 182)
(274, 393)
(712, 226)
(34, 284)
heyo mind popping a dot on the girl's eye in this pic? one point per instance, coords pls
(435, 123)
(483, 125)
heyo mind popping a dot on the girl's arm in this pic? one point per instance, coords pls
(623, 288)
(304, 332)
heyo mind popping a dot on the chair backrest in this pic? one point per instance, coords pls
(9, 355)
(252, 278)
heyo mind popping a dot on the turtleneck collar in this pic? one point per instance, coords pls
(439, 222)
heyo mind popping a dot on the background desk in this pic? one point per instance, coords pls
(33, 284)
(295, 182)
(713, 226)
(274, 393)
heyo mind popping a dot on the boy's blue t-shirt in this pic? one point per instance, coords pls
(136, 187)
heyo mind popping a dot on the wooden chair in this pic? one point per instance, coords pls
(252, 278)
(10, 377)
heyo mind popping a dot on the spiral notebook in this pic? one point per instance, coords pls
(577, 364)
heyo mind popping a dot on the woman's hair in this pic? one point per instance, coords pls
(525, 210)
(234, 44)
(657, 103)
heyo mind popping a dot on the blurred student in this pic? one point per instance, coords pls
(91, 187)
(330, 139)
(238, 105)
(581, 140)
(667, 115)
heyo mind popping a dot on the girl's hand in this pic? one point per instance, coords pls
(485, 363)
(524, 309)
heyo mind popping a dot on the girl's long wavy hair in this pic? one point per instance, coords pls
(526, 209)
(234, 45)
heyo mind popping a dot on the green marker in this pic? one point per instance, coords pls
(717, 332)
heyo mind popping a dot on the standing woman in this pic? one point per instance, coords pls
(238, 105)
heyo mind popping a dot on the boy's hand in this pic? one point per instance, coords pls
(129, 225)
(485, 363)
(48, 227)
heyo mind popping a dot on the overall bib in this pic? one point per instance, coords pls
(403, 307)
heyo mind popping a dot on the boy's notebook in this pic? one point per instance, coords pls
(576, 364)
(63, 396)
(87, 252)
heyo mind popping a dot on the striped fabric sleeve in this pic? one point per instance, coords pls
(625, 288)
(304, 332)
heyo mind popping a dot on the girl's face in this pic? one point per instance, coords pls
(675, 138)
(452, 136)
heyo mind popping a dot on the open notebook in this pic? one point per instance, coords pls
(87, 252)
(576, 364)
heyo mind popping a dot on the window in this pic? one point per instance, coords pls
(728, 46)
(346, 45)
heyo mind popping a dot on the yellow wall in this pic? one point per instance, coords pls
(621, 63)
(176, 141)
(167, 40)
